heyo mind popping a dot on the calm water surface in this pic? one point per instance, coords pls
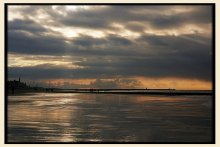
(69, 117)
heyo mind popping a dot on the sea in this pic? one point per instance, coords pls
(109, 118)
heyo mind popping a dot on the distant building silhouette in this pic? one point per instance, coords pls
(14, 86)
(17, 84)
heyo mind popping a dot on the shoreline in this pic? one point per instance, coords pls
(31, 92)
(141, 93)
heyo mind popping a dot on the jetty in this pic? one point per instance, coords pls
(137, 91)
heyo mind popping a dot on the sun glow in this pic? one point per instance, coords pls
(176, 83)
(77, 8)
(37, 60)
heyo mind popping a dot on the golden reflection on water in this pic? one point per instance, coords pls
(39, 114)
(52, 113)
(99, 117)
(142, 99)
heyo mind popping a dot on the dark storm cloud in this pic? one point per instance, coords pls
(186, 56)
(166, 56)
(109, 40)
(169, 56)
(20, 42)
(201, 15)
(103, 18)
(153, 15)
(150, 55)
(25, 25)
(45, 72)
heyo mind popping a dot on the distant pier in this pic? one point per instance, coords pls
(137, 91)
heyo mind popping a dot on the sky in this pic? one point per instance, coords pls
(111, 46)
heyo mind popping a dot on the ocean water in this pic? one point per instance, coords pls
(69, 117)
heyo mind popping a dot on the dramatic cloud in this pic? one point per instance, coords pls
(111, 44)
